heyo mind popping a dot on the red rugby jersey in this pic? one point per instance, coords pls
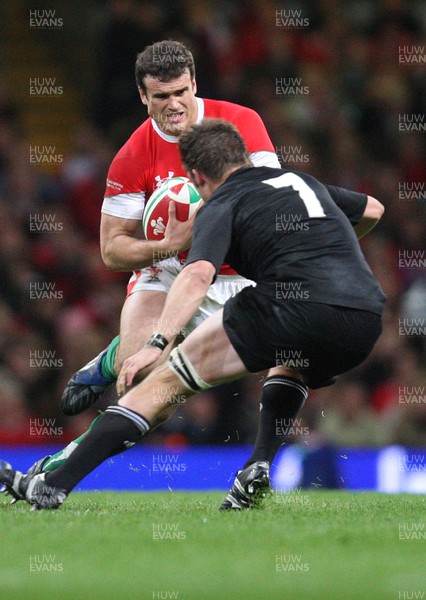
(150, 156)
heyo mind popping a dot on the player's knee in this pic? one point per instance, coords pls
(285, 372)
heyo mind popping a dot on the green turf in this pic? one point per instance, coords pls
(307, 545)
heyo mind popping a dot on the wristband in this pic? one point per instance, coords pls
(157, 341)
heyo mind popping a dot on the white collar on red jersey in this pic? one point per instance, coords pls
(171, 138)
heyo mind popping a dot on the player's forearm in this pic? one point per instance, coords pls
(372, 214)
(125, 253)
(184, 298)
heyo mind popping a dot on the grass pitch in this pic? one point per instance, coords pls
(300, 546)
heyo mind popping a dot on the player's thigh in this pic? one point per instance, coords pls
(140, 312)
(211, 352)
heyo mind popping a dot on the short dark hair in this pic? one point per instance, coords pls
(163, 60)
(212, 147)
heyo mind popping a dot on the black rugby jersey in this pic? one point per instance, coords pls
(286, 230)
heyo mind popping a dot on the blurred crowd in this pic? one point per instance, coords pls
(353, 75)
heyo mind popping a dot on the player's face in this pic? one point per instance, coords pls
(171, 104)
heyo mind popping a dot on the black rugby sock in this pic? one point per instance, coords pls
(282, 398)
(119, 429)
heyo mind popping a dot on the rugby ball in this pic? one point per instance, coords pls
(156, 213)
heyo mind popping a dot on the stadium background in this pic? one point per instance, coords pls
(354, 119)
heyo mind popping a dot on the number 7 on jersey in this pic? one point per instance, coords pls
(307, 194)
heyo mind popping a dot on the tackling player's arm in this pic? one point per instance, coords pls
(372, 214)
(122, 251)
(363, 211)
(185, 297)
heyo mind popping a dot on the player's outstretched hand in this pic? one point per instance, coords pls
(178, 234)
(132, 365)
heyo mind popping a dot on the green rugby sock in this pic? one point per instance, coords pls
(107, 364)
(58, 459)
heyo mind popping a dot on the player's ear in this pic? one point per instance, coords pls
(197, 177)
(142, 96)
(193, 174)
(194, 86)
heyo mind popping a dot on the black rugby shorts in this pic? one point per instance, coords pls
(320, 340)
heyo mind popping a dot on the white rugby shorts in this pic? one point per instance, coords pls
(160, 276)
